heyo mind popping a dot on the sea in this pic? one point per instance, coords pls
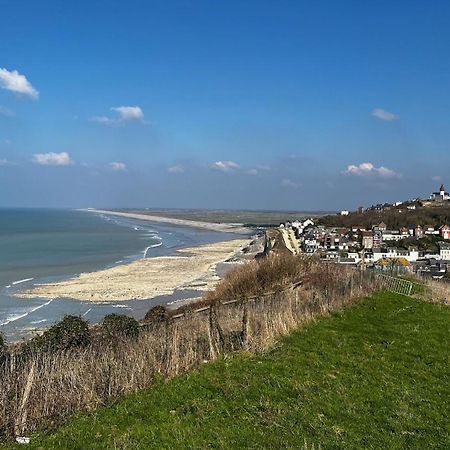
(48, 245)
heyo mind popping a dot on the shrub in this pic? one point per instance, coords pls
(119, 325)
(70, 332)
(156, 315)
(257, 277)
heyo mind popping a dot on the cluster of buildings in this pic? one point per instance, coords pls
(373, 248)
(438, 198)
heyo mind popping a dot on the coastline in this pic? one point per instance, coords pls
(191, 268)
(236, 228)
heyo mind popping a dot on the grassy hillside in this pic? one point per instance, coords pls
(372, 376)
(392, 218)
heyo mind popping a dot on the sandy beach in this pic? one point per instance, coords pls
(191, 268)
(236, 228)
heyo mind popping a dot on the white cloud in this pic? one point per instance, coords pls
(125, 114)
(382, 114)
(225, 166)
(4, 162)
(6, 112)
(17, 83)
(253, 172)
(368, 169)
(53, 159)
(436, 178)
(286, 182)
(176, 169)
(118, 166)
(129, 112)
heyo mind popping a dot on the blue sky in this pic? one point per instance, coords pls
(253, 104)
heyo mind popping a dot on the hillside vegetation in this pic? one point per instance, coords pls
(392, 218)
(375, 375)
(73, 367)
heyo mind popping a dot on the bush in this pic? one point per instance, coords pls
(119, 325)
(71, 332)
(158, 314)
(255, 278)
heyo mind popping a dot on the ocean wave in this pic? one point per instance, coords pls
(38, 321)
(120, 306)
(22, 281)
(151, 246)
(14, 317)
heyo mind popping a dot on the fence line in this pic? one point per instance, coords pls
(253, 298)
(81, 379)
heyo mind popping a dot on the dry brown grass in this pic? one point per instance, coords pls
(38, 391)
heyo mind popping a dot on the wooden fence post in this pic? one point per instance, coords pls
(244, 332)
(21, 420)
(215, 333)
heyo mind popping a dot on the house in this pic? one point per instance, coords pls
(411, 255)
(392, 235)
(434, 268)
(343, 243)
(404, 232)
(377, 238)
(444, 251)
(444, 232)
(380, 227)
(310, 244)
(300, 227)
(367, 239)
(440, 196)
(418, 232)
(429, 230)
(344, 212)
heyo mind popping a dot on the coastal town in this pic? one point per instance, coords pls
(413, 247)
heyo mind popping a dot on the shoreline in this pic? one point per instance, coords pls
(191, 268)
(211, 226)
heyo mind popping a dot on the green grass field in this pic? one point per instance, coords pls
(375, 375)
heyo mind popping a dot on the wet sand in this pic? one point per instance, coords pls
(190, 268)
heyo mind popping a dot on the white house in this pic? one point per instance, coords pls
(410, 255)
(344, 212)
(392, 235)
(444, 231)
(429, 230)
(309, 244)
(442, 195)
(444, 251)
